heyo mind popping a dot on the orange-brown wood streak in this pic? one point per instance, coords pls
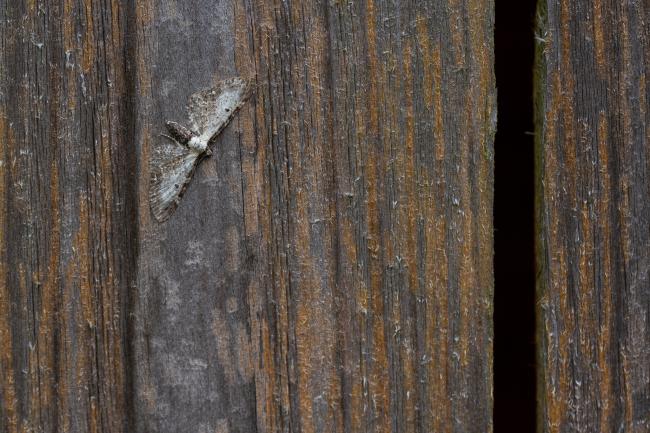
(10, 398)
(607, 396)
(599, 39)
(403, 328)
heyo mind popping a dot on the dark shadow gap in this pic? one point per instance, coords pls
(514, 260)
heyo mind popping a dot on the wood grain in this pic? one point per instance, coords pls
(367, 182)
(68, 241)
(330, 266)
(594, 216)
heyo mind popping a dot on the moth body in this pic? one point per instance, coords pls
(198, 145)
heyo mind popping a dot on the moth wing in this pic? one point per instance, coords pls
(171, 166)
(212, 109)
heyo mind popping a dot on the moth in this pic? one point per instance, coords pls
(176, 156)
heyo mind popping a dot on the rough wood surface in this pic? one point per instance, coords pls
(594, 216)
(367, 185)
(330, 266)
(67, 204)
(194, 362)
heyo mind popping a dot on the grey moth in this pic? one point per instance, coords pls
(175, 156)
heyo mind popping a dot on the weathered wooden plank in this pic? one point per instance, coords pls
(367, 182)
(67, 240)
(594, 217)
(194, 370)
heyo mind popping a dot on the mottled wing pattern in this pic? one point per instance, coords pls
(172, 166)
(212, 109)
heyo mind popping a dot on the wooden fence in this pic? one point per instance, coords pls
(330, 267)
